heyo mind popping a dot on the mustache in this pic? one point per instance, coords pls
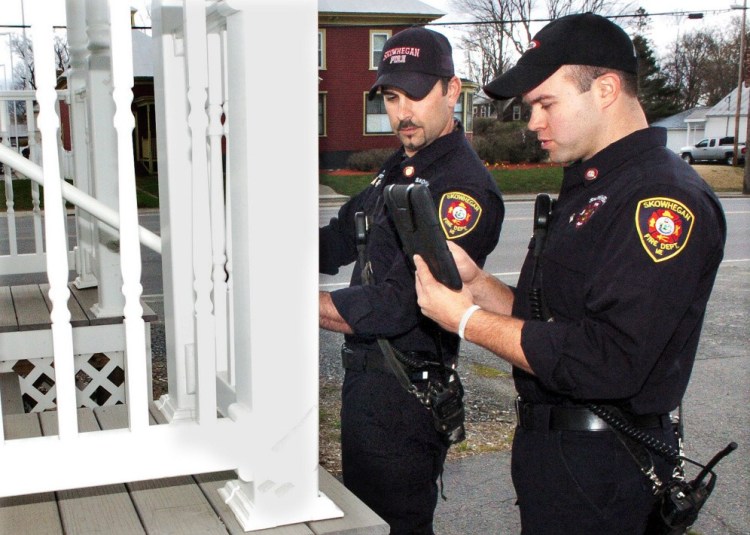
(407, 123)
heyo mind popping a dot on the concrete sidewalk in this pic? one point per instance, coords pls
(481, 499)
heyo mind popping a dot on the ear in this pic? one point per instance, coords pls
(608, 88)
(454, 90)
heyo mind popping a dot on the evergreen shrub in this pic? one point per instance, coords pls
(496, 141)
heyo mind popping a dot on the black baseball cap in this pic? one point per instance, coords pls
(413, 61)
(582, 39)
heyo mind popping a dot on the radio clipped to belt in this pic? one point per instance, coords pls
(443, 393)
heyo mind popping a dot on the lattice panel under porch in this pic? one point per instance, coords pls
(100, 380)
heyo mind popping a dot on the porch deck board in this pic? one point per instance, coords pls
(95, 509)
(31, 309)
(171, 505)
(8, 320)
(26, 307)
(78, 317)
(189, 505)
(88, 297)
(10, 393)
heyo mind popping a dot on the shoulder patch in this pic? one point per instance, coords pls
(459, 214)
(663, 226)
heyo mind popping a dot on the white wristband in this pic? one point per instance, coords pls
(465, 319)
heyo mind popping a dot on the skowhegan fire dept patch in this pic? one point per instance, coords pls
(663, 226)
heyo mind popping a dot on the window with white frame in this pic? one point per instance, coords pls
(516, 112)
(376, 118)
(321, 49)
(377, 42)
(469, 115)
(463, 110)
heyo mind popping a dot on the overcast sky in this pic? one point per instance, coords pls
(664, 28)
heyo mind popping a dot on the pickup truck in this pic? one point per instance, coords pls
(716, 149)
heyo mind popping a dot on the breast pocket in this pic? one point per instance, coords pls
(565, 268)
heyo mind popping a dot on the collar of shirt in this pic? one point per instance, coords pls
(631, 147)
(413, 167)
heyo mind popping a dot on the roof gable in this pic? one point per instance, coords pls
(728, 105)
(678, 120)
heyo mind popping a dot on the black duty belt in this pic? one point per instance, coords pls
(367, 360)
(541, 417)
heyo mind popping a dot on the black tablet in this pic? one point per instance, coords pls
(416, 220)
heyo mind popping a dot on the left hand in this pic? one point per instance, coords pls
(437, 301)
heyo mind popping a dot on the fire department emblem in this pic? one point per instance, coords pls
(583, 217)
(664, 227)
(459, 214)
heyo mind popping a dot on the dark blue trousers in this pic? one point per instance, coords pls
(392, 456)
(582, 482)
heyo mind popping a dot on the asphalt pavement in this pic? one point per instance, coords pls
(481, 499)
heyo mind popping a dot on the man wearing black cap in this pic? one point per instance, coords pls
(392, 455)
(611, 298)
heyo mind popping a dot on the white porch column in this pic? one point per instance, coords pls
(85, 252)
(175, 205)
(102, 152)
(273, 167)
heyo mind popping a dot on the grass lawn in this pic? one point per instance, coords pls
(510, 179)
(147, 193)
(537, 179)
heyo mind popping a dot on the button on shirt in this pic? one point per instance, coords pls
(388, 307)
(635, 240)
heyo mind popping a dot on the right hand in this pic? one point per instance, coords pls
(467, 268)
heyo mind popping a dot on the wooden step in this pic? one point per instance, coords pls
(27, 308)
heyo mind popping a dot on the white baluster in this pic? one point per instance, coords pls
(216, 174)
(175, 211)
(130, 263)
(56, 240)
(194, 23)
(8, 175)
(231, 370)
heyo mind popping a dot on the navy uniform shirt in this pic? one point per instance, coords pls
(471, 212)
(635, 240)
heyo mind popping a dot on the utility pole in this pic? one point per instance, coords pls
(740, 83)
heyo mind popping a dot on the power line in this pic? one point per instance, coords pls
(689, 14)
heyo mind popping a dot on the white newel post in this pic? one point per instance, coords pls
(75, 11)
(102, 151)
(273, 150)
(173, 147)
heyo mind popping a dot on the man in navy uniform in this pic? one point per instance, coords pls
(609, 307)
(392, 455)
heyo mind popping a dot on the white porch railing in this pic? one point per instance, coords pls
(239, 262)
(15, 163)
(19, 133)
